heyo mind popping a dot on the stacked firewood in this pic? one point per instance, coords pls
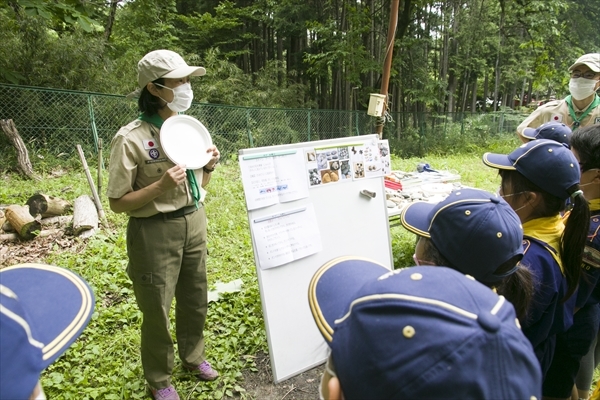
(43, 215)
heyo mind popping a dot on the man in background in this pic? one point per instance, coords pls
(581, 107)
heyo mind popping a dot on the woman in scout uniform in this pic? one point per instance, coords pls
(583, 335)
(166, 233)
(581, 107)
(537, 180)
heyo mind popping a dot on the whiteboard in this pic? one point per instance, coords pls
(349, 223)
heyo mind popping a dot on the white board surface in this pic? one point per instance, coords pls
(349, 223)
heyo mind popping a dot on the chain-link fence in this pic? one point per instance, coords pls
(54, 121)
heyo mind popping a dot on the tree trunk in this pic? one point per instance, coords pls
(111, 19)
(25, 225)
(23, 163)
(47, 206)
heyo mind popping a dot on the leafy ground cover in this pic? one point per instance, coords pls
(105, 364)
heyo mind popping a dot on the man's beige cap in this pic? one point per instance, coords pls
(164, 64)
(592, 60)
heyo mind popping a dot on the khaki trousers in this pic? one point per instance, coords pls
(167, 258)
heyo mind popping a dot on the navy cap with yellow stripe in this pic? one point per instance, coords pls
(476, 231)
(545, 163)
(420, 332)
(43, 309)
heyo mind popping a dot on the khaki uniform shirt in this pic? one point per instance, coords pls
(138, 160)
(558, 111)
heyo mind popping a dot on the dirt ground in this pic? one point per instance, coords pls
(259, 385)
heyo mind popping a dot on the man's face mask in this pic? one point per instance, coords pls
(182, 97)
(582, 88)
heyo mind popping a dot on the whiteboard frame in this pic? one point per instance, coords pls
(349, 224)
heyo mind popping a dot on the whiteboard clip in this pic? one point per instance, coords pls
(368, 193)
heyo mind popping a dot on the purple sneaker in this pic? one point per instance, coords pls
(168, 393)
(204, 371)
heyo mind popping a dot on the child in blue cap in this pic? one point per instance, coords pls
(43, 310)
(418, 333)
(537, 180)
(477, 233)
(579, 340)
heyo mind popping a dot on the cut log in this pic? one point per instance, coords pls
(61, 220)
(47, 206)
(14, 236)
(2, 218)
(85, 214)
(23, 162)
(7, 227)
(25, 225)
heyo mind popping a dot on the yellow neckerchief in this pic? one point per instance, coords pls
(594, 204)
(547, 230)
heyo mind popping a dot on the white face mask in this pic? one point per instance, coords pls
(182, 97)
(582, 88)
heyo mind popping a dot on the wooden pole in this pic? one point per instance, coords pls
(91, 183)
(387, 65)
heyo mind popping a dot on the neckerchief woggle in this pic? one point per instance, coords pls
(577, 121)
(157, 121)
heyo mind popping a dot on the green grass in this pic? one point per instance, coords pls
(104, 363)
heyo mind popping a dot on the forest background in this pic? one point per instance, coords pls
(325, 54)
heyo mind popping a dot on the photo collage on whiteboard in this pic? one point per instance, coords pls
(332, 165)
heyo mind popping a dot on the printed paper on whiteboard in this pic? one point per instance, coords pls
(273, 178)
(286, 237)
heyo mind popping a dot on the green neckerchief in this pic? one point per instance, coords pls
(157, 121)
(577, 121)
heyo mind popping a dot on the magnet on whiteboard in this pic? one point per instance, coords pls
(369, 194)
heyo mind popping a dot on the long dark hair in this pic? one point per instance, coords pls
(577, 224)
(148, 103)
(516, 288)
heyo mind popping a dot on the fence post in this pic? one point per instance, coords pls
(356, 122)
(308, 122)
(93, 121)
(248, 132)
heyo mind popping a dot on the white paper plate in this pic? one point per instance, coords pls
(184, 140)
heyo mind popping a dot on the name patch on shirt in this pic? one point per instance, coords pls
(150, 144)
(156, 161)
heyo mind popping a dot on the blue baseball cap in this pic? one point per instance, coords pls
(476, 231)
(420, 332)
(546, 163)
(556, 131)
(43, 310)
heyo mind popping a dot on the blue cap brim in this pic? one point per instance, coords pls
(416, 218)
(498, 161)
(529, 133)
(334, 286)
(59, 304)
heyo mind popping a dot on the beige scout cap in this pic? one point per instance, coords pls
(592, 60)
(164, 64)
